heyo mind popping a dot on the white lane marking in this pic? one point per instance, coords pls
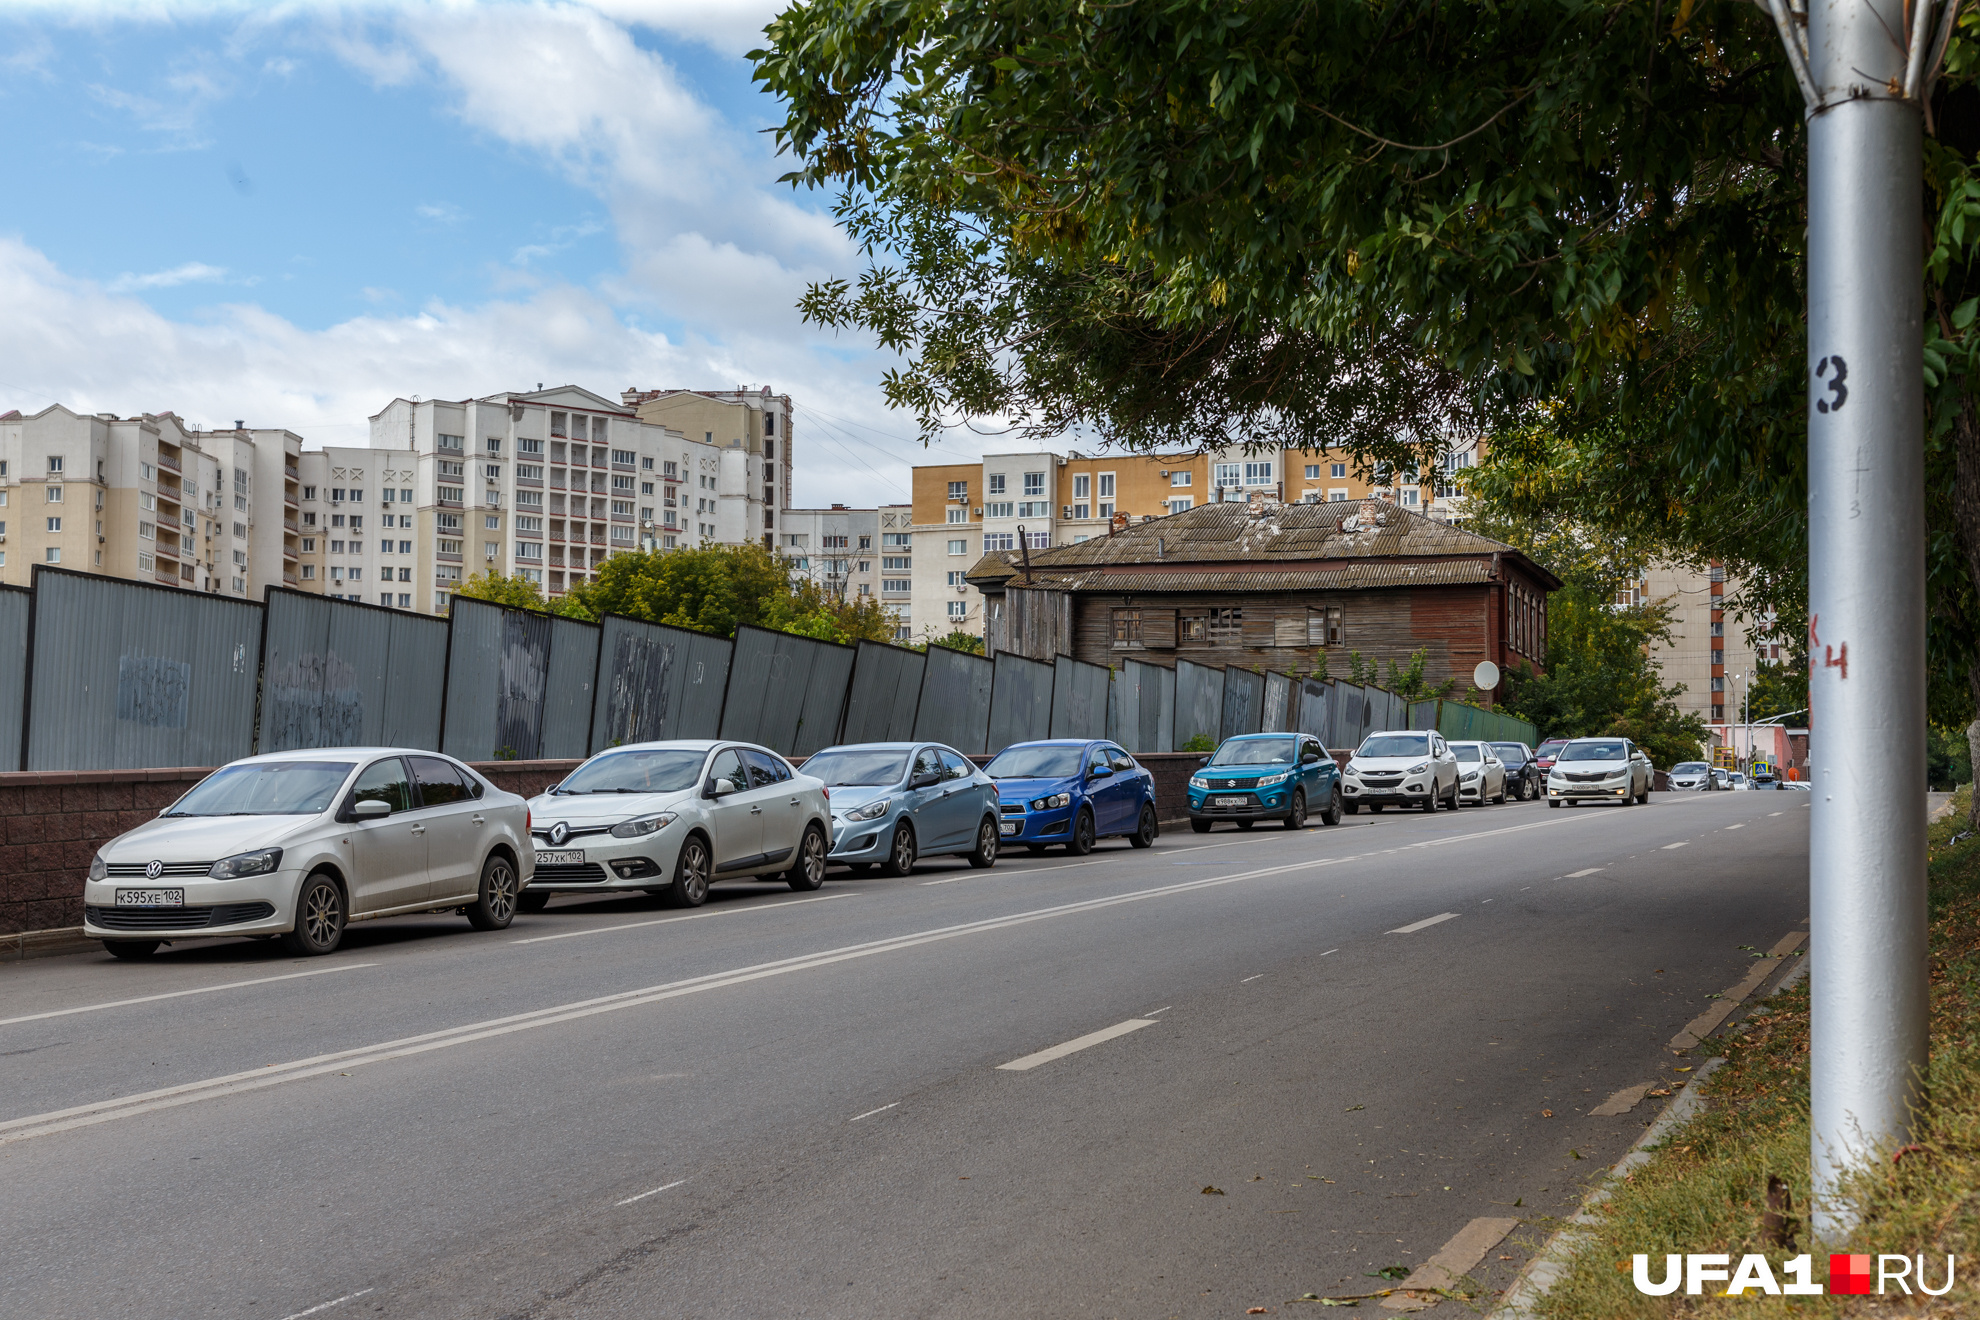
(1415, 926)
(1458, 1258)
(1163, 1009)
(1679, 844)
(655, 1192)
(951, 880)
(692, 916)
(1576, 875)
(103, 1111)
(871, 1112)
(177, 994)
(1330, 951)
(1740, 826)
(1249, 979)
(324, 1306)
(1074, 1046)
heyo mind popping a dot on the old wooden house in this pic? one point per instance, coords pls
(1274, 586)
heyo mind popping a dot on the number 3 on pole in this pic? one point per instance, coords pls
(1839, 392)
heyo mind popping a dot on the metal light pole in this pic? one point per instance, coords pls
(1865, 68)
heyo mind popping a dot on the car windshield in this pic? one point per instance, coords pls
(1595, 751)
(1552, 745)
(848, 767)
(1688, 768)
(272, 788)
(1036, 763)
(662, 770)
(1511, 753)
(1394, 744)
(1254, 751)
(1467, 751)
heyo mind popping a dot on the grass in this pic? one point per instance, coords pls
(1705, 1189)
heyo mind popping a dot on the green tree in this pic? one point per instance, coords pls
(512, 591)
(717, 588)
(955, 639)
(1408, 681)
(1781, 688)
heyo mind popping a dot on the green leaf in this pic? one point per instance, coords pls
(1964, 313)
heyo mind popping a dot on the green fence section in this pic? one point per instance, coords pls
(1455, 719)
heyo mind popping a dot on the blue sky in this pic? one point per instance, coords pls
(293, 214)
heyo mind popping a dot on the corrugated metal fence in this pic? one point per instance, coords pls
(99, 673)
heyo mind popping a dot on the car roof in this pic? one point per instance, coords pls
(676, 745)
(1269, 733)
(878, 746)
(353, 754)
(1057, 742)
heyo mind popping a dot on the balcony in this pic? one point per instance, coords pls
(169, 462)
(291, 524)
(289, 499)
(288, 578)
(165, 548)
(289, 552)
(291, 471)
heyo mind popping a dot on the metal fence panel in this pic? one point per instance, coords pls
(1199, 702)
(1281, 710)
(656, 682)
(1351, 719)
(1079, 698)
(1020, 701)
(955, 700)
(570, 689)
(341, 674)
(786, 692)
(1423, 714)
(1142, 707)
(124, 674)
(519, 683)
(1315, 715)
(886, 690)
(14, 602)
(1244, 702)
(1456, 719)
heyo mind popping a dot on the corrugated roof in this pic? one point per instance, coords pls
(1346, 578)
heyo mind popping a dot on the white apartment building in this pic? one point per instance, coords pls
(1708, 653)
(841, 549)
(752, 427)
(150, 499)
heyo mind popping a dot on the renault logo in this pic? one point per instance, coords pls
(153, 869)
(559, 832)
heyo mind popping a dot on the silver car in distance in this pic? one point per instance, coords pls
(1599, 770)
(299, 844)
(672, 818)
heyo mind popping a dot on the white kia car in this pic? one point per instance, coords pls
(1403, 768)
(1599, 770)
(1481, 774)
(672, 818)
(299, 844)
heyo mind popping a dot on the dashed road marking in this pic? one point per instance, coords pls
(324, 1306)
(1075, 1045)
(1576, 875)
(1427, 922)
(655, 1192)
(179, 994)
(692, 916)
(1679, 844)
(871, 1112)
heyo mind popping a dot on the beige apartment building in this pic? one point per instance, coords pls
(753, 424)
(1043, 498)
(841, 549)
(1708, 653)
(149, 499)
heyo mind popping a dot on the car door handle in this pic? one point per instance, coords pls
(796, 803)
(419, 829)
(477, 820)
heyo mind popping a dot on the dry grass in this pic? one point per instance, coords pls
(1706, 1189)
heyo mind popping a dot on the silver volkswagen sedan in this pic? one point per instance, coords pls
(299, 844)
(672, 818)
(895, 802)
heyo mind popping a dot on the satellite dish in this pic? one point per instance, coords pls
(1486, 676)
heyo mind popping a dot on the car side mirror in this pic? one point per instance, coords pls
(1309, 758)
(924, 780)
(1203, 760)
(371, 809)
(721, 787)
(548, 789)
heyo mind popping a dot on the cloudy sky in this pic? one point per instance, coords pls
(291, 214)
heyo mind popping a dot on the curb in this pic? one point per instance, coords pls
(46, 944)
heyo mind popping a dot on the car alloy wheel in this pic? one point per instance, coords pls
(1296, 814)
(690, 887)
(319, 918)
(901, 854)
(1146, 828)
(987, 843)
(809, 873)
(495, 904)
(1082, 835)
(1331, 813)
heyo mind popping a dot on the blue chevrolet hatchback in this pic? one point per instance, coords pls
(1072, 791)
(1265, 776)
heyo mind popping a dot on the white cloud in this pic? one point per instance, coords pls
(445, 213)
(191, 272)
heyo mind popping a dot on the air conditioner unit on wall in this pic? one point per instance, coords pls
(1065, 510)
(979, 513)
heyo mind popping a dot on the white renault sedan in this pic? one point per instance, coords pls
(299, 844)
(1599, 770)
(672, 818)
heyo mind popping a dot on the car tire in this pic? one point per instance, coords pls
(1331, 813)
(809, 871)
(1199, 826)
(1430, 798)
(1296, 814)
(494, 905)
(1644, 797)
(532, 901)
(320, 917)
(984, 855)
(1500, 800)
(902, 852)
(1553, 802)
(691, 870)
(1082, 834)
(1147, 829)
(131, 950)
(1453, 803)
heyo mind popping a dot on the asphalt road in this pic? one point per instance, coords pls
(785, 1105)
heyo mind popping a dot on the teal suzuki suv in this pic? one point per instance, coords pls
(1265, 776)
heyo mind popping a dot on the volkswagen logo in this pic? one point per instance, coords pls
(559, 832)
(153, 869)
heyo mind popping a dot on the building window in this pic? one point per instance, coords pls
(1326, 626)
(54, 495)
(54, 555)
(896, 540)
(146, 563)
(146, 532)
(1718, 683)
(1000, 509)
(1258, 474)
(1179, 503)
(54, 524)
(1034, 509)
(957, 578)
(1313, 472)
(997, 541)
(529, 446)
(1082, 510)
(961, 547)
(1127, 629)
(1034, 485)
(453, 442)
(996, 483)
(1336, 497)
(309, 572)
(528, 550)
(896, 586)
(958, 515)
(1213, 626)
(1106, 480)
(1227, 474)
(1409, 498)
(894, 563)
(958, 611)
(54, 463)
(1038, 540)
(1337, 471)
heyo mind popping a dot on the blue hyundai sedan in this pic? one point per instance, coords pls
(1072, 791)
(1265, 776)
(895, 802)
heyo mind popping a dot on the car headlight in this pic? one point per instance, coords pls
(1198, 781)
(244, 864)
(641, 826)
(1270, 780)
(97, 870)
(871, 811)
(1047, 803)
(1419, 769)
(1470, 775)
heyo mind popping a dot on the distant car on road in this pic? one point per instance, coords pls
(1265, 776)
(673, 818)
(1736, 780)
(1720, 778)
(1524, 777)
(895, 802)
(1599, 769)
(299, 844)
(1693, 776)
(1481, 775)
(1544, 754)
(1403, 768)
(1072, 791)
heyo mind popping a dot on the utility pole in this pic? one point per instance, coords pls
(1866, 69)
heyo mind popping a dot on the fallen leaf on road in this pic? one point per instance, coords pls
(1351, 1108)
(1577, 1154)
(1256, 1177)
(1258, 1310)
(1213, 1191)
(1546, 1113)
(1684, 1069)
(1390, 1272)
(1664, 1091)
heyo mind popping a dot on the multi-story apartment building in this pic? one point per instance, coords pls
(149, 498)
(361, 535)
(752, 427)
(1709, 653)
(1039, 499)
